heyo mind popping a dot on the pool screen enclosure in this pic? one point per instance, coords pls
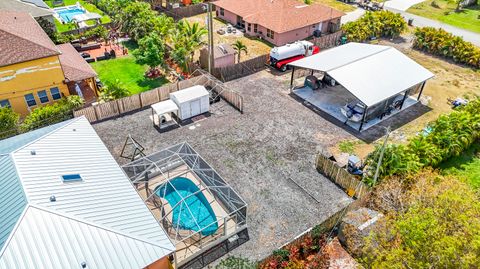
(196, 207)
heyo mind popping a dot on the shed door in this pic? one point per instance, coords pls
(195, 107)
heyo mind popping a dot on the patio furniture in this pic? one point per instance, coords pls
(353, 111)
(90, 60)
(313, 83)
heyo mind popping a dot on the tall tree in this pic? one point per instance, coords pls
(239, 47)
(151, 51)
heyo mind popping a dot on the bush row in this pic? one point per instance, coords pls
(444, 138)
(39, 117)
(440, 42)
(375, 25)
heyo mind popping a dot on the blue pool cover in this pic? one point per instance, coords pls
(194, 213)
(67, 14)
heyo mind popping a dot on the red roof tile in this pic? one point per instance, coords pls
(280, 15)
(22, 39)
(74, 66)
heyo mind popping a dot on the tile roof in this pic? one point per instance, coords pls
(22, 39)
(279, 15)
(74, 66)
(26, 6)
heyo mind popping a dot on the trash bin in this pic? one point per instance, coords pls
(410, 22)
(343, 40)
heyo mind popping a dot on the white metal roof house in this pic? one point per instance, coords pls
(374, 75)
(65, 203)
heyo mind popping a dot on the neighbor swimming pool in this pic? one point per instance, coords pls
(194, 212)
(66, 13)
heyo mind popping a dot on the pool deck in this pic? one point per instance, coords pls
(186, 249)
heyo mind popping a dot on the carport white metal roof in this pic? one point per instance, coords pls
(372, 73)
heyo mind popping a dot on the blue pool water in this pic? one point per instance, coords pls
(67, 14)
(200, 214)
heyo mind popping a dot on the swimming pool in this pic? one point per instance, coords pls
(66, 13)
(194, 212)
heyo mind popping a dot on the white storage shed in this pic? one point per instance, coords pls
(191, 101)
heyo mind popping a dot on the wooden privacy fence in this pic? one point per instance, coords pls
(241, 69)
(183, 12)
(340, 176)
(328, 41)
(144, 99)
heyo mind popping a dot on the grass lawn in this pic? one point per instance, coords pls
(466, 166)
(88, 6)
(128, 72)
(467, 18)
(336, 5)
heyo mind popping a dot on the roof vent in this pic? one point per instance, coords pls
(33, 152)
(53, 198)
(74, 129)
(84, 265)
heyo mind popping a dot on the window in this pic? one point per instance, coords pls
(222, 11)
(42, 95)
(71, 178)
(255, 28)
(5, 103)
(270, 34)
(55, 92)
(249, 29)
(30, 99)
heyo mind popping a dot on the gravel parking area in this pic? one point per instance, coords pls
(258, 153)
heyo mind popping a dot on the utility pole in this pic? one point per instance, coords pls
(382, 151)
(210, 37)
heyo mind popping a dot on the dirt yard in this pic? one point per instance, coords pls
(259, 153)
(255, 47)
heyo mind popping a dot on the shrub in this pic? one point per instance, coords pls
(236, 263)
(436, 227)
(440, 42)
(8, 122)
(113, 91)
(375, 24)
(449, 136)
(50, 114)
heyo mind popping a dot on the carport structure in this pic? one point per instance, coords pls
(373, 76)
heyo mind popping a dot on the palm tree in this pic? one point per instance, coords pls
(238, 46)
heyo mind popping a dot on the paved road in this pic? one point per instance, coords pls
(420, 22)
(402, 5)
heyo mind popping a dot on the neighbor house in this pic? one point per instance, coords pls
(279, 21)
(37, 8)
(33, 71)
(65, 203)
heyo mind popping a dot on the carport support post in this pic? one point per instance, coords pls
(404, 98)
(363, 118)
(291, 79)
(421, 91)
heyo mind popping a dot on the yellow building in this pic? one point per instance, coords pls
(31, 71)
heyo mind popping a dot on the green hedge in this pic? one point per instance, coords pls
(446, 137)
(440, 42)
(50, 114)
(8, 122)
(375, 24)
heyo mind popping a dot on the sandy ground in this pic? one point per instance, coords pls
(258, 153)
(255, 47)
